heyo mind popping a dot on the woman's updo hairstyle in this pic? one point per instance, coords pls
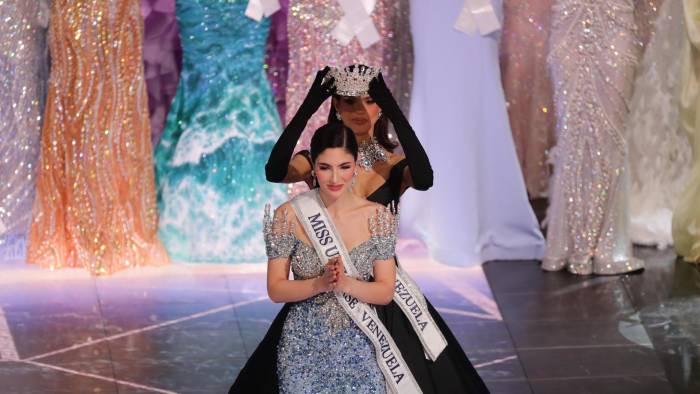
(333, 135)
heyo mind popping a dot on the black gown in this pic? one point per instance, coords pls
(450, 373)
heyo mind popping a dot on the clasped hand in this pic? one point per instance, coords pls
(334, 277)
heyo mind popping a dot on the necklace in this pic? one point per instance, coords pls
(370, 152)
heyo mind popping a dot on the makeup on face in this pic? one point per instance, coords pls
(358, 113)
(334, 170)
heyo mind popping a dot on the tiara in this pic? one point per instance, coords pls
(353, 80)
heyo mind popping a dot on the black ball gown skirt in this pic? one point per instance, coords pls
(450, 373)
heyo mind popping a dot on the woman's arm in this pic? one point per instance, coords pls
(419, 173)
(379, 292)
(280, 166)
(281, 289)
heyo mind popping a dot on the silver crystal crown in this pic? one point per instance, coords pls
(353, 80)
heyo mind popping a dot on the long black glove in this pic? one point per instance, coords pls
(281, 155)
(418, 163)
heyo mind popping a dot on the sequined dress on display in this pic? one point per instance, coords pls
(321, 350)
(659, 154)
(592, 58)
(23, 77)
(312, 47)
(686, 215)
(528, 88)
(219, 131)
(95, 199)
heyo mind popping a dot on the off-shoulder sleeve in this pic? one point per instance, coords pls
(279, 236)
(383, 226)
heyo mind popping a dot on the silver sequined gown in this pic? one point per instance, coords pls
(23, 80)
(321, 349)
(592, 59)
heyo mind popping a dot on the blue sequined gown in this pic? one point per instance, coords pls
(321, 350)
(219, 132)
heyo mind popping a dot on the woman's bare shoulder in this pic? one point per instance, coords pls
(395, 158)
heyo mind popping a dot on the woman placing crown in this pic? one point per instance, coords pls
(362, 103)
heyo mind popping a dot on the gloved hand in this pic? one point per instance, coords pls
(418, 163)
(278, 162)
(320, 90)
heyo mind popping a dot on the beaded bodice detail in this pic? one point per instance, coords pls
(281, 242)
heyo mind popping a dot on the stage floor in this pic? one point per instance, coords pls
(190, 328)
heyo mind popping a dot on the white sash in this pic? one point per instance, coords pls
(410, 299)
(326, 240)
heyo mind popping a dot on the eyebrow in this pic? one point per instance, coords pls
(321, 163)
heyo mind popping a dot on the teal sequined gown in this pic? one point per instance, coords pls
(218, 134)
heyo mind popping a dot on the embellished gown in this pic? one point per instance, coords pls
(450, 373)
(95, 202)
(321, 350)
(592, 58)
(686, 215)
(528, 88)
(659, 153)
(221, 126)
(23, 76)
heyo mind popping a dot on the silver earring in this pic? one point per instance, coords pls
(313, 178)
(337, 115)
(354, 178)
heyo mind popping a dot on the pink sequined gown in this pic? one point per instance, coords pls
(528, 88)
(592, 58)
(311, 47)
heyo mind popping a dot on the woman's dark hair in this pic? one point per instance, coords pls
(333, 135)
(381, 128)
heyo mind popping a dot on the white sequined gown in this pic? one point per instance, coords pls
(659, 153)
(592, 59)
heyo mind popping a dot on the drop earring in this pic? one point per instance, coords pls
(337, 116)
(313, 179)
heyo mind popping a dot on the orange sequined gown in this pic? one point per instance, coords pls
(95, 202)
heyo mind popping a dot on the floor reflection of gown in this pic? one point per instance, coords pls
(659, 155)
(23, 76)
(592, 58)
(311, 47)
(528, 88)
(95, 198)
(218, 134)
(450, 373)
(686, 215)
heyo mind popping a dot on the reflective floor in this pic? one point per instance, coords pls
(190, 328)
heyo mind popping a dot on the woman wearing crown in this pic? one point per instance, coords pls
(363, 104)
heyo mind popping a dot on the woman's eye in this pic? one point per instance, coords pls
(345, 167)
